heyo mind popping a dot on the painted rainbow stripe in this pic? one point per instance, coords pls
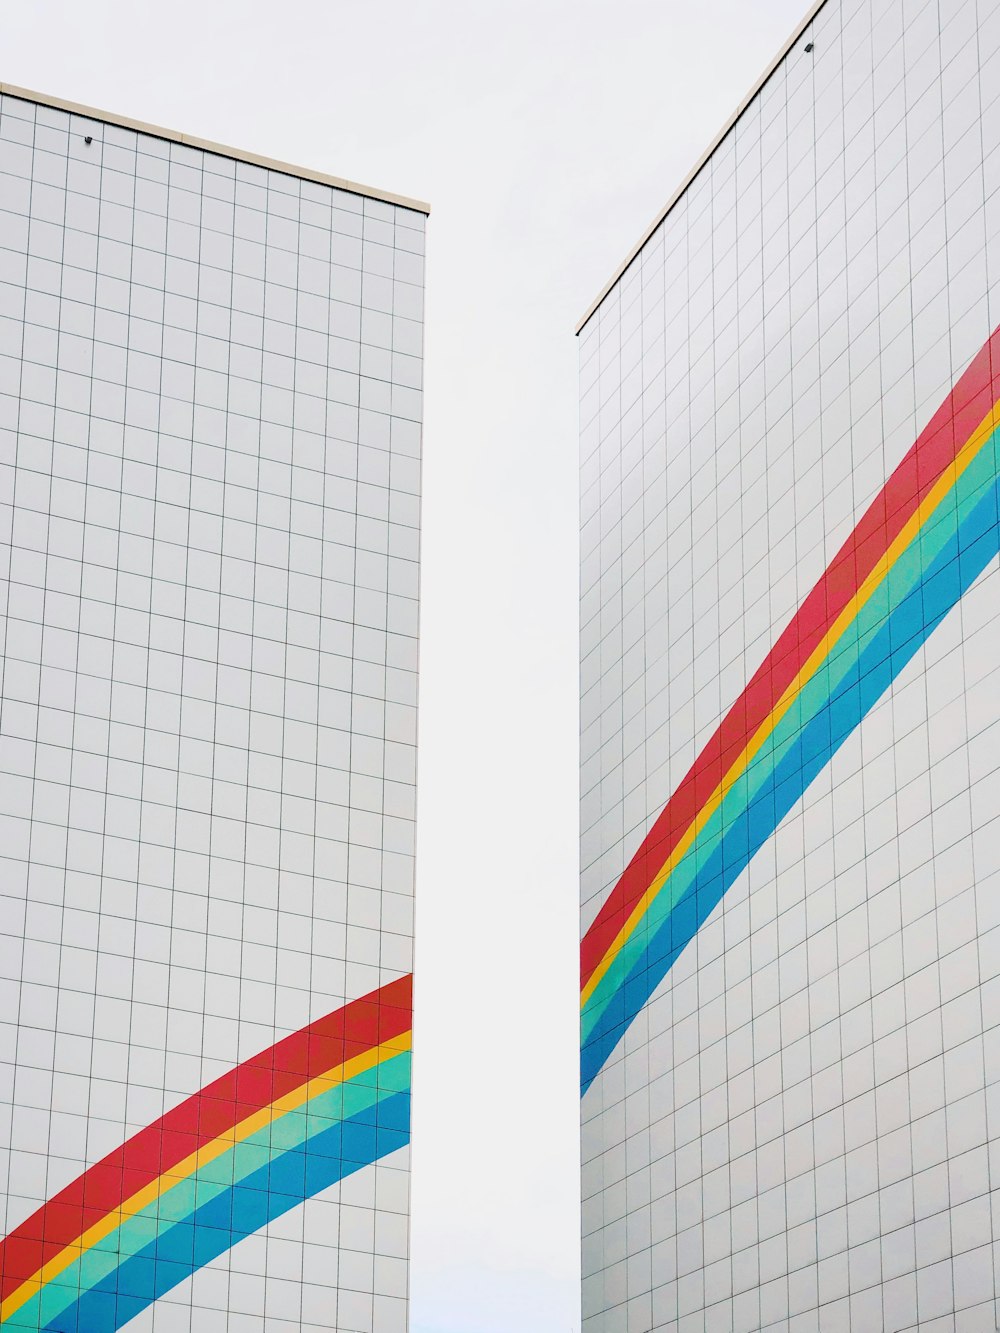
(920, 545)
(276, 1130)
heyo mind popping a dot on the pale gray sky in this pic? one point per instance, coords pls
(546, 134)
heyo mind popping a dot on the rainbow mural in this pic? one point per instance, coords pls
(276, 1130)
(920, 545)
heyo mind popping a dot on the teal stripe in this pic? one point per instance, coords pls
(905, 574)
(286, 1134)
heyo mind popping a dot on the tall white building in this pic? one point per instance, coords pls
(210, 437)
(790, 609)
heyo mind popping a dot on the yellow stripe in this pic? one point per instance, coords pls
(877, 575)
(207, 1153)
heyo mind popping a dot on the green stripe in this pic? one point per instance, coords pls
(903, 576)
(177, 1203)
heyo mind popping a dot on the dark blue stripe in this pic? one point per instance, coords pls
(216, 1227)
(950, 575)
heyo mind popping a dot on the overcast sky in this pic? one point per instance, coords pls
(546, 134)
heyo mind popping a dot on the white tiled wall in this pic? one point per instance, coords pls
(210, 405)
(802, 1128)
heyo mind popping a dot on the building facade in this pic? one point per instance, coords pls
(790, 610)
(210, 438)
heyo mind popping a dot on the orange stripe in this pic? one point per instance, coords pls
(269, 1074)
(207, 1153)
(878, 574)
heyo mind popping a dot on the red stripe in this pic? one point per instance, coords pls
(256, 1083)
(953, 423)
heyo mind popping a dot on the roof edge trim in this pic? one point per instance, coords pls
(730, 123)
(207, 146)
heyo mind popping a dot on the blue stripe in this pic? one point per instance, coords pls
(213, 1229)
(956, 568)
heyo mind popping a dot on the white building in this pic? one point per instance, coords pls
(790, 609)
(210, 408)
